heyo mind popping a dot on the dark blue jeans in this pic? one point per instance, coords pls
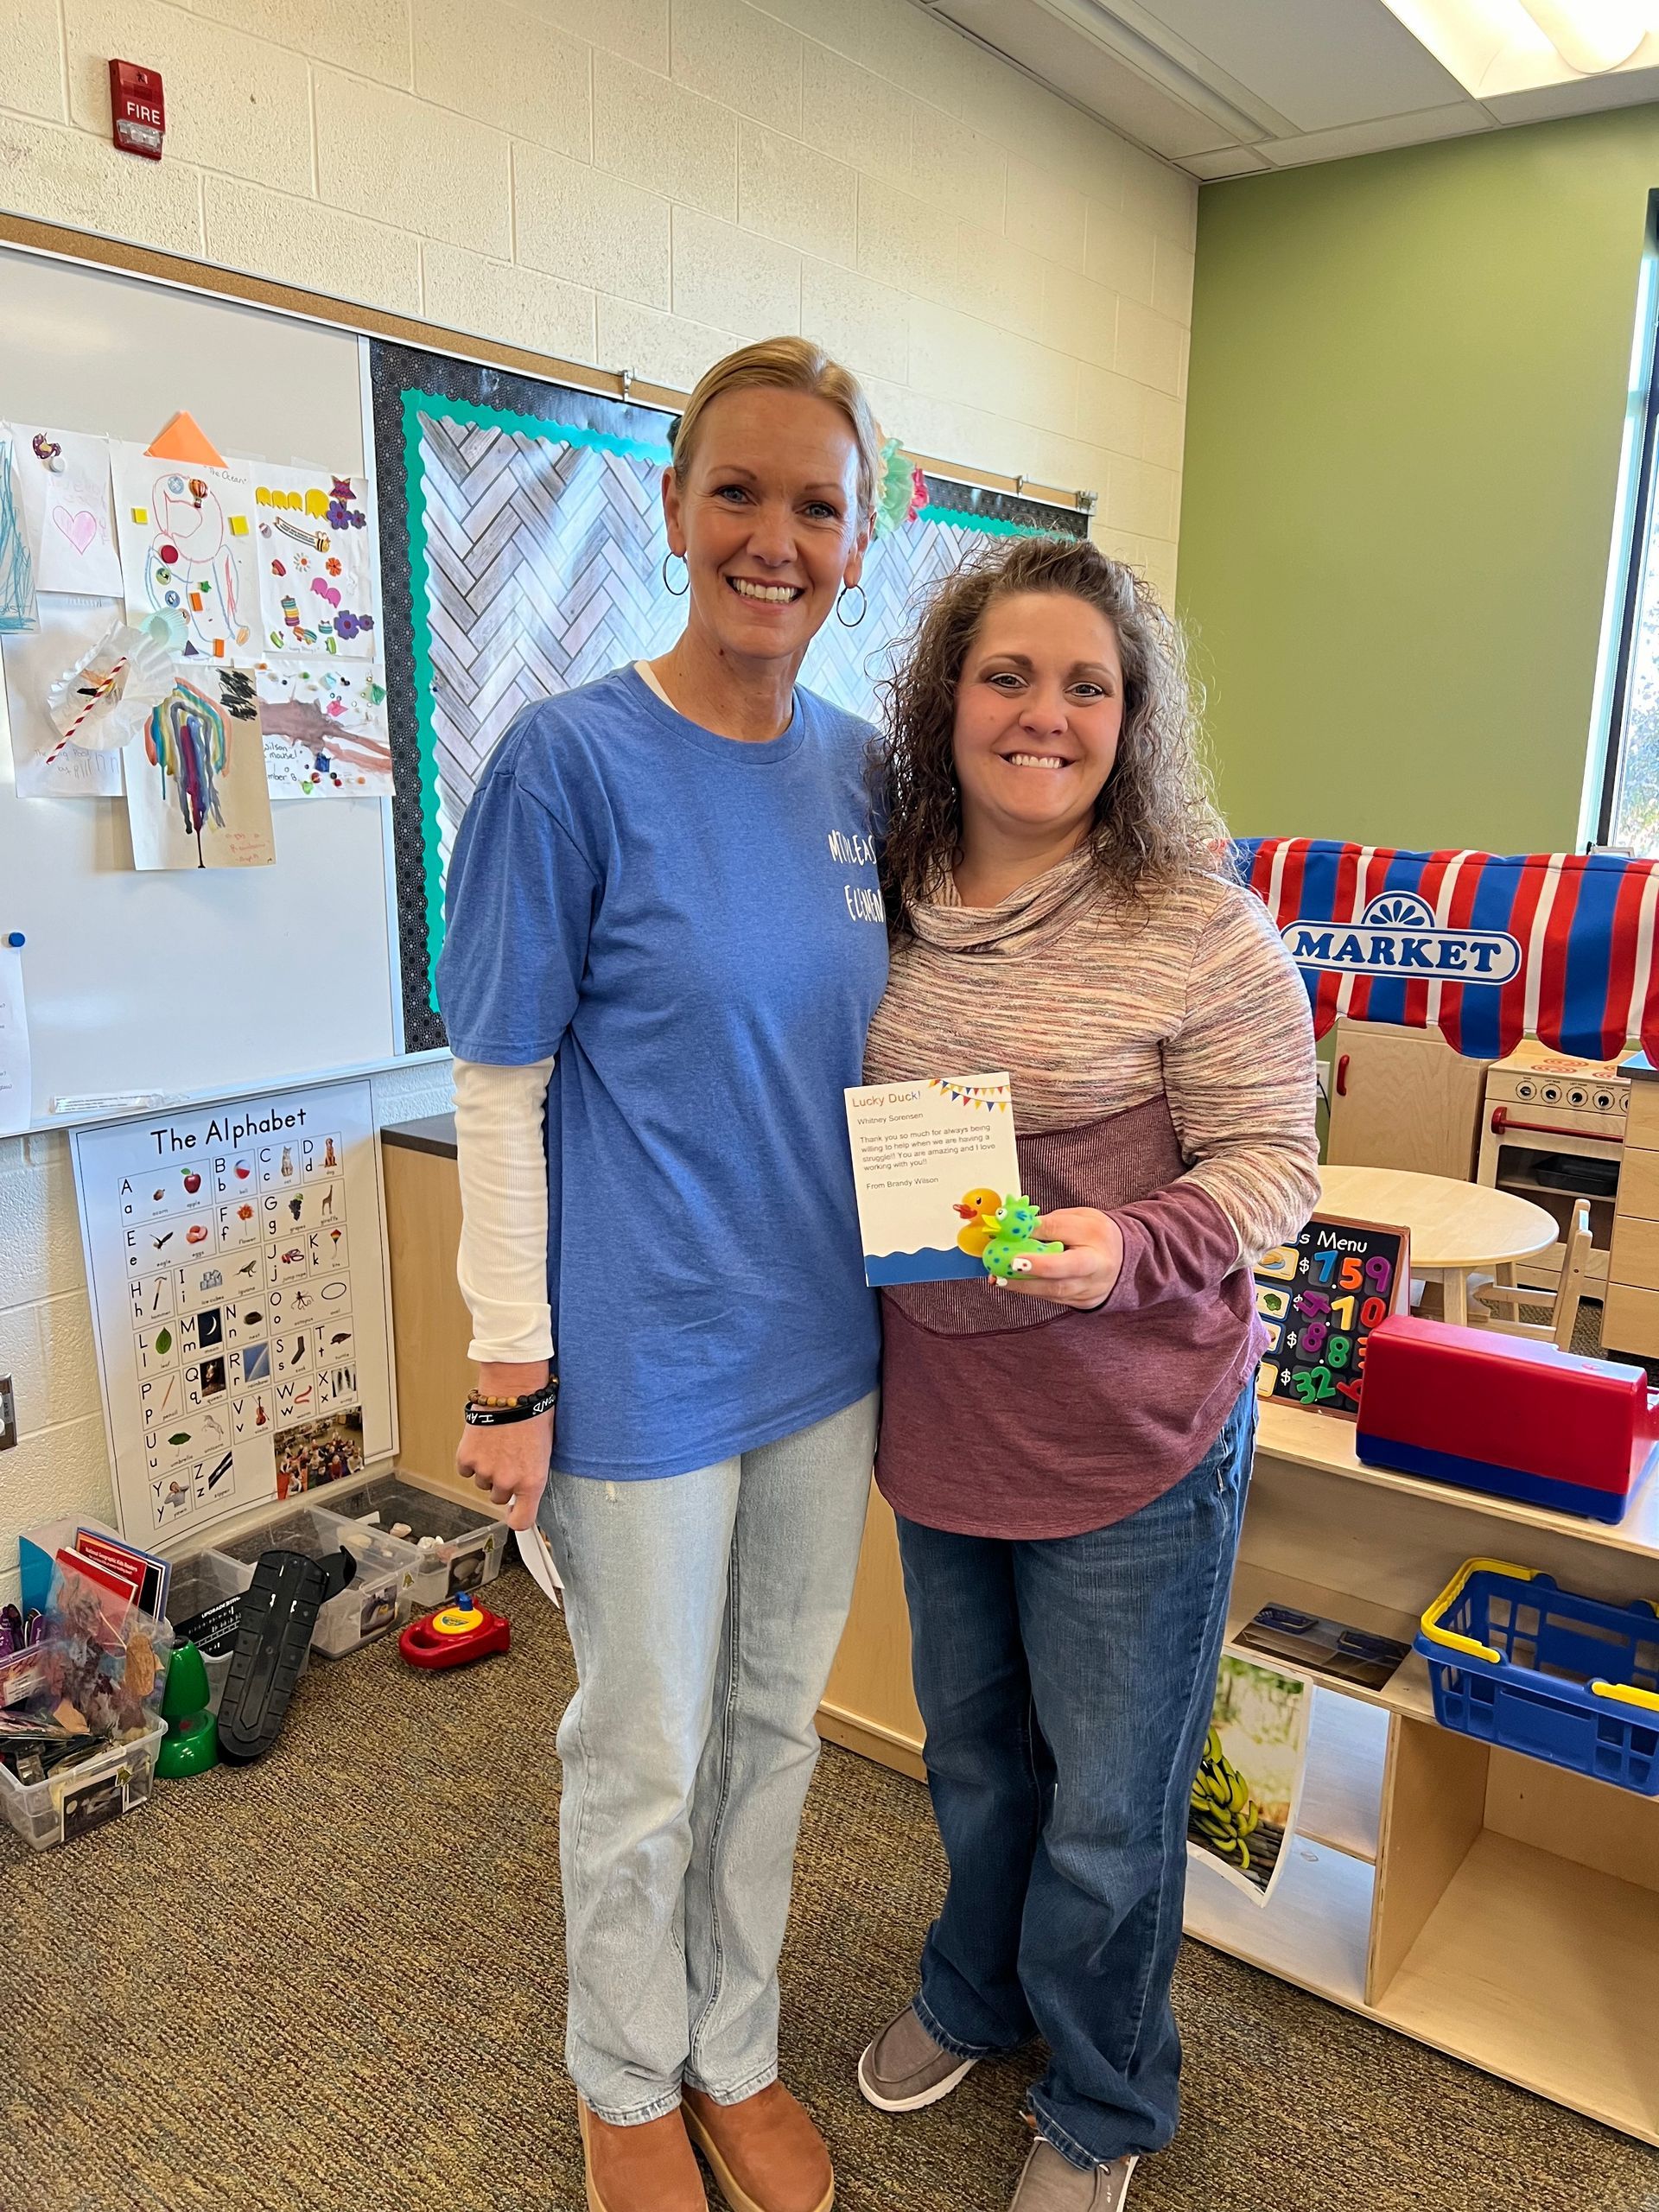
(1066, 1685)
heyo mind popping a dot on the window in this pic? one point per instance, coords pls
(1628, 819)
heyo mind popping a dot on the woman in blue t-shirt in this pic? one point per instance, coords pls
(664, 897)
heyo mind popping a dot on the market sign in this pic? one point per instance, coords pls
(1397, 936)
(1487, 948)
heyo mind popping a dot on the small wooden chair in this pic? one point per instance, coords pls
(1496, 1297)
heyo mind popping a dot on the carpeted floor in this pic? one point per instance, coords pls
(335, 1980)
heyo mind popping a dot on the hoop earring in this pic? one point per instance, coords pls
(863, 606)
(674, 591)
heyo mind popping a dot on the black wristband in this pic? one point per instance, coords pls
(524, 1409)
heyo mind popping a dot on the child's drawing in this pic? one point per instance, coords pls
(63, 486)
(325, 728)
(316, 563)
(186, 541)
(196, 791)
(16, 568)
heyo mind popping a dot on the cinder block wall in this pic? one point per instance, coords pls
(639, 182)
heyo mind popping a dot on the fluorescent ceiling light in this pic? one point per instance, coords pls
(1590, 36)
(1498, 47)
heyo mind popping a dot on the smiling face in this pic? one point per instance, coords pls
(1040, 707)
(767, 520)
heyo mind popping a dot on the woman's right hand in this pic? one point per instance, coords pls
(510, 1461)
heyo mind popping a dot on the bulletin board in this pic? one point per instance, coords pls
(189, 983)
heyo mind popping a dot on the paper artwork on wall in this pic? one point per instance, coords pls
(315, 550)
(16, 563)
(186, 542)
(63, 486)
(196, 791)
(71, 627)
(325, 729)
(104, 698)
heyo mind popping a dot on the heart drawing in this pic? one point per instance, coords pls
(80, 528)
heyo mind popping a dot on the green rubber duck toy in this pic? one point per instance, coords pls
(1009, 1250)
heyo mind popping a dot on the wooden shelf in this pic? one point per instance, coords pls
(1522, 1938)
(1408, 1691)
(1342, 1789)
(1309, 1439)
(1314, 1932)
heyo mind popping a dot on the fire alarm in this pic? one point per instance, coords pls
(137, 114)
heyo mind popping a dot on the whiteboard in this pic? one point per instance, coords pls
(189, 983)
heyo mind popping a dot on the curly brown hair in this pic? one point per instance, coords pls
(1155, 819)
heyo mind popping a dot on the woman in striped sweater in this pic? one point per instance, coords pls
(1068, 1464)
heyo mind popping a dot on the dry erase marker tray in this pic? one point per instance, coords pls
(75, 1800)
(461, 1545)
(381, 1595)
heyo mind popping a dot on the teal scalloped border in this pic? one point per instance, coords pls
(993, 525)
(420, 574)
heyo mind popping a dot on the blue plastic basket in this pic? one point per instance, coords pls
(1518, 1662)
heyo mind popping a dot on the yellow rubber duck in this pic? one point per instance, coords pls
(978, 1209)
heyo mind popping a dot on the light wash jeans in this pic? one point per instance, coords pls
(704, 1613)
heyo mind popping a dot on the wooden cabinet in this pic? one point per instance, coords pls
(1403, 1098)
(430, 1321)
(1630, 1318)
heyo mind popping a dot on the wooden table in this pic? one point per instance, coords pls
(1456, 1229)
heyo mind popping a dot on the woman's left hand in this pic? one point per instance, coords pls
(1086, 1273)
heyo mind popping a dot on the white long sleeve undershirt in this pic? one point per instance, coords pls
(502, 1263)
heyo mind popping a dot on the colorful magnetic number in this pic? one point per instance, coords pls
(1348, 1271)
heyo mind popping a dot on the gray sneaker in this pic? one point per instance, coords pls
(1051, 2184)
(903, 2069)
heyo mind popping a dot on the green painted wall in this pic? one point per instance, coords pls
(1407, 401)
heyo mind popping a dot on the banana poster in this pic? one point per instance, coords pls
(1249, 1781)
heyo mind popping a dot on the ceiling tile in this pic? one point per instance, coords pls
(1227, 161)
(1377, 137)
(1321, 63)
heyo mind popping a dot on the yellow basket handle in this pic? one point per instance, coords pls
(1626, 1694)
(1453, 1591)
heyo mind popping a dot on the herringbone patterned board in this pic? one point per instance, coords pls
(545, 563)
(545, 571)
(846, 666)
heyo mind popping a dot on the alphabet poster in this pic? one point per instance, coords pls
(236, 1256)
(197, 796)
(186, 544)
(63, 487)
(314, 550)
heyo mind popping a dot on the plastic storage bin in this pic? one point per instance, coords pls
(379, 1596)
(198, 1584)
(1520, 1662)
(84, 1797)
(468, 1547)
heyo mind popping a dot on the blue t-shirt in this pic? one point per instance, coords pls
(693, 924)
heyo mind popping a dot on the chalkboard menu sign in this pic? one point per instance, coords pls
(1319, 1298)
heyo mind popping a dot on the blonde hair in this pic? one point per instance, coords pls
(786, 365)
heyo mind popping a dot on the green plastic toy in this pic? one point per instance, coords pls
(1009, 1250)
(191, 1745)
